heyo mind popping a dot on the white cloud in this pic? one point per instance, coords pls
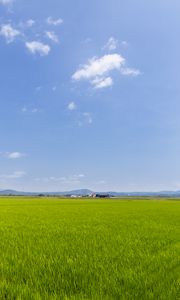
(72, 106)
(98, 67)
(97, 70)
(14, 175)
(100, 83)
(54, 22)
(9, 33)
(112, 44)
(38, 48)
(52, 36)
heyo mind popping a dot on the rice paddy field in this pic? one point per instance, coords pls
(89, 249)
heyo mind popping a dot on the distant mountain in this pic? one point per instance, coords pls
(80, 192)
(87, 192)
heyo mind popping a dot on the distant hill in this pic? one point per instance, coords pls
(80, 192)
(87, 192)
(146, 194)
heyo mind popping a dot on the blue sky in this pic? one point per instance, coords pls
(89, 95)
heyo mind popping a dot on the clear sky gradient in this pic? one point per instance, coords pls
(90, 95)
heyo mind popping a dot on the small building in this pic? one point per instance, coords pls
(101, 196)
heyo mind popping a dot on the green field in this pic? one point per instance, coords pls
(89, 249)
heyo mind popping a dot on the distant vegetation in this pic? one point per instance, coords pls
(89, 249)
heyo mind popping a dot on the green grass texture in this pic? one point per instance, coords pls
(83, 249)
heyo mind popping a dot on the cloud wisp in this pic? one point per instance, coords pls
(12, 155)
(6, 2)
(15, 155)
(54, 22)
(33, 110)
(72, 106)
(36, 47)
(130, 72)
(85, 118)
(112, 44)
(52, 36)
(88, 117)
(29, 23)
